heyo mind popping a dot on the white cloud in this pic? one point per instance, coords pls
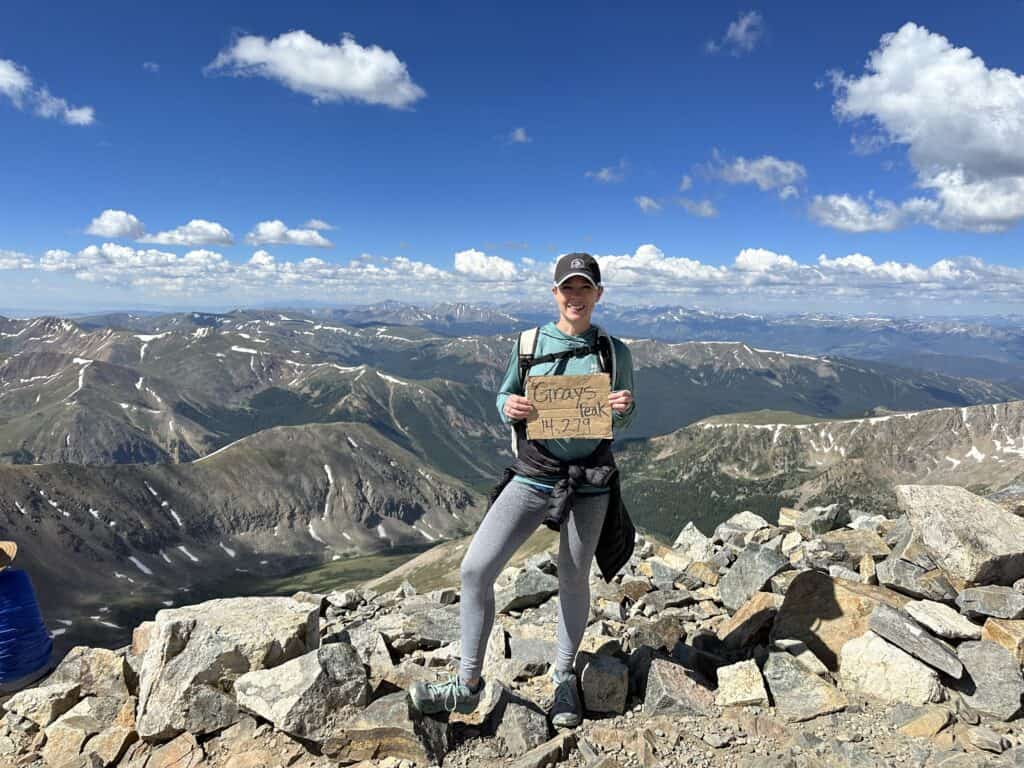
(767, 172)
(519, 136)
(478, 264)
(119, 224)
(756, 274)
(276, 233)
(961, 121)
(196, 232)
(762, 260)
(703, 209)
(609, 175)
(15, 260)
(647, 204)
(151, 66)
(327, 72)
(741, 36)
(17, 85)
(685, 183)
(871, 214)
(14, 81)
(318, 224)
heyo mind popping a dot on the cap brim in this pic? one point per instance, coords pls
(584, 275)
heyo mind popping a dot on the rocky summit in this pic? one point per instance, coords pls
(808, 644)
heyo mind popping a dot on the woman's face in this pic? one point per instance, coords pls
(576, 298)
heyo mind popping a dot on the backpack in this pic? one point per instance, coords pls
(603, 348)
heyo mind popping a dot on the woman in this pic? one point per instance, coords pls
(565, 484)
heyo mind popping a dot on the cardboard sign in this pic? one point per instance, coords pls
(569, 406)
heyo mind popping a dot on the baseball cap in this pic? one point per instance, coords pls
(581, 264)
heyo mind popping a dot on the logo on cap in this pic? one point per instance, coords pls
(576, 264)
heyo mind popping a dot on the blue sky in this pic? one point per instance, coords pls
(727, 156)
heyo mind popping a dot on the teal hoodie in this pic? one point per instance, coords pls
(551, 340)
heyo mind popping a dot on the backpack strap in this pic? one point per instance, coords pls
(527, 349)
(606, 353)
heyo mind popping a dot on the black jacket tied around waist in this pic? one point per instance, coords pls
(616, 541)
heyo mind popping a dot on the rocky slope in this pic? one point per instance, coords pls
(710, 470)
(821, 641)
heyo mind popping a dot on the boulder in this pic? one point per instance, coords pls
(942, 620)
(753, 617)
(521, 588)
(692, 546)
(418, 626)
(996, 601)
(1007, 633)
(913, 580)
(815, 521)
(98, 671)
(856, 543)
(197, 652)
(299, 696)
(875, 667)
(738, 527)
(741, 684)
(992, 684)
(44, 704)
(798, 650)
(788, 517)
(522, 725)
(604, 681)
(388, 726)
(926, 724)
(825, 613)
(905, 633)
(672, 689)
(798, 694)
(182, 752)
(751, 571)
(974, 541)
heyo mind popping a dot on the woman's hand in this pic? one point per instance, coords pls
(621, 400)
(517, 407)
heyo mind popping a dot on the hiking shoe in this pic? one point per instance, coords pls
(452, 695)
(565, 712)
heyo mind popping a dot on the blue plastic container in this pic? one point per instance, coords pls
(25, 643)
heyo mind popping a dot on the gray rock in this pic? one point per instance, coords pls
(741, 684)
(662, 599)
(692, 546)
(418, 626)
(388, 726)
(987, 739)
(522, 725)
(346, 600)
(673, 689)
(98, 671)
(525, 588)
(197, 652)
(942, 620)
(999, 602)
(44, 704)
(992, 684)
(751, 571)
(907, 634)
(913, 580)
(817, 520)
(604, 681)
(842, 572)
(738, 527)
(799, 695)
(872, 666)
(974, 541)
(299, 696)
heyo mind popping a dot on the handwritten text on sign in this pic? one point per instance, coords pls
(569, 406)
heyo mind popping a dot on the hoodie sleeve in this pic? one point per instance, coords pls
(623, 380)
(510, 385)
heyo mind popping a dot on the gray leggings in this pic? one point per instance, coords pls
(515, 515)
